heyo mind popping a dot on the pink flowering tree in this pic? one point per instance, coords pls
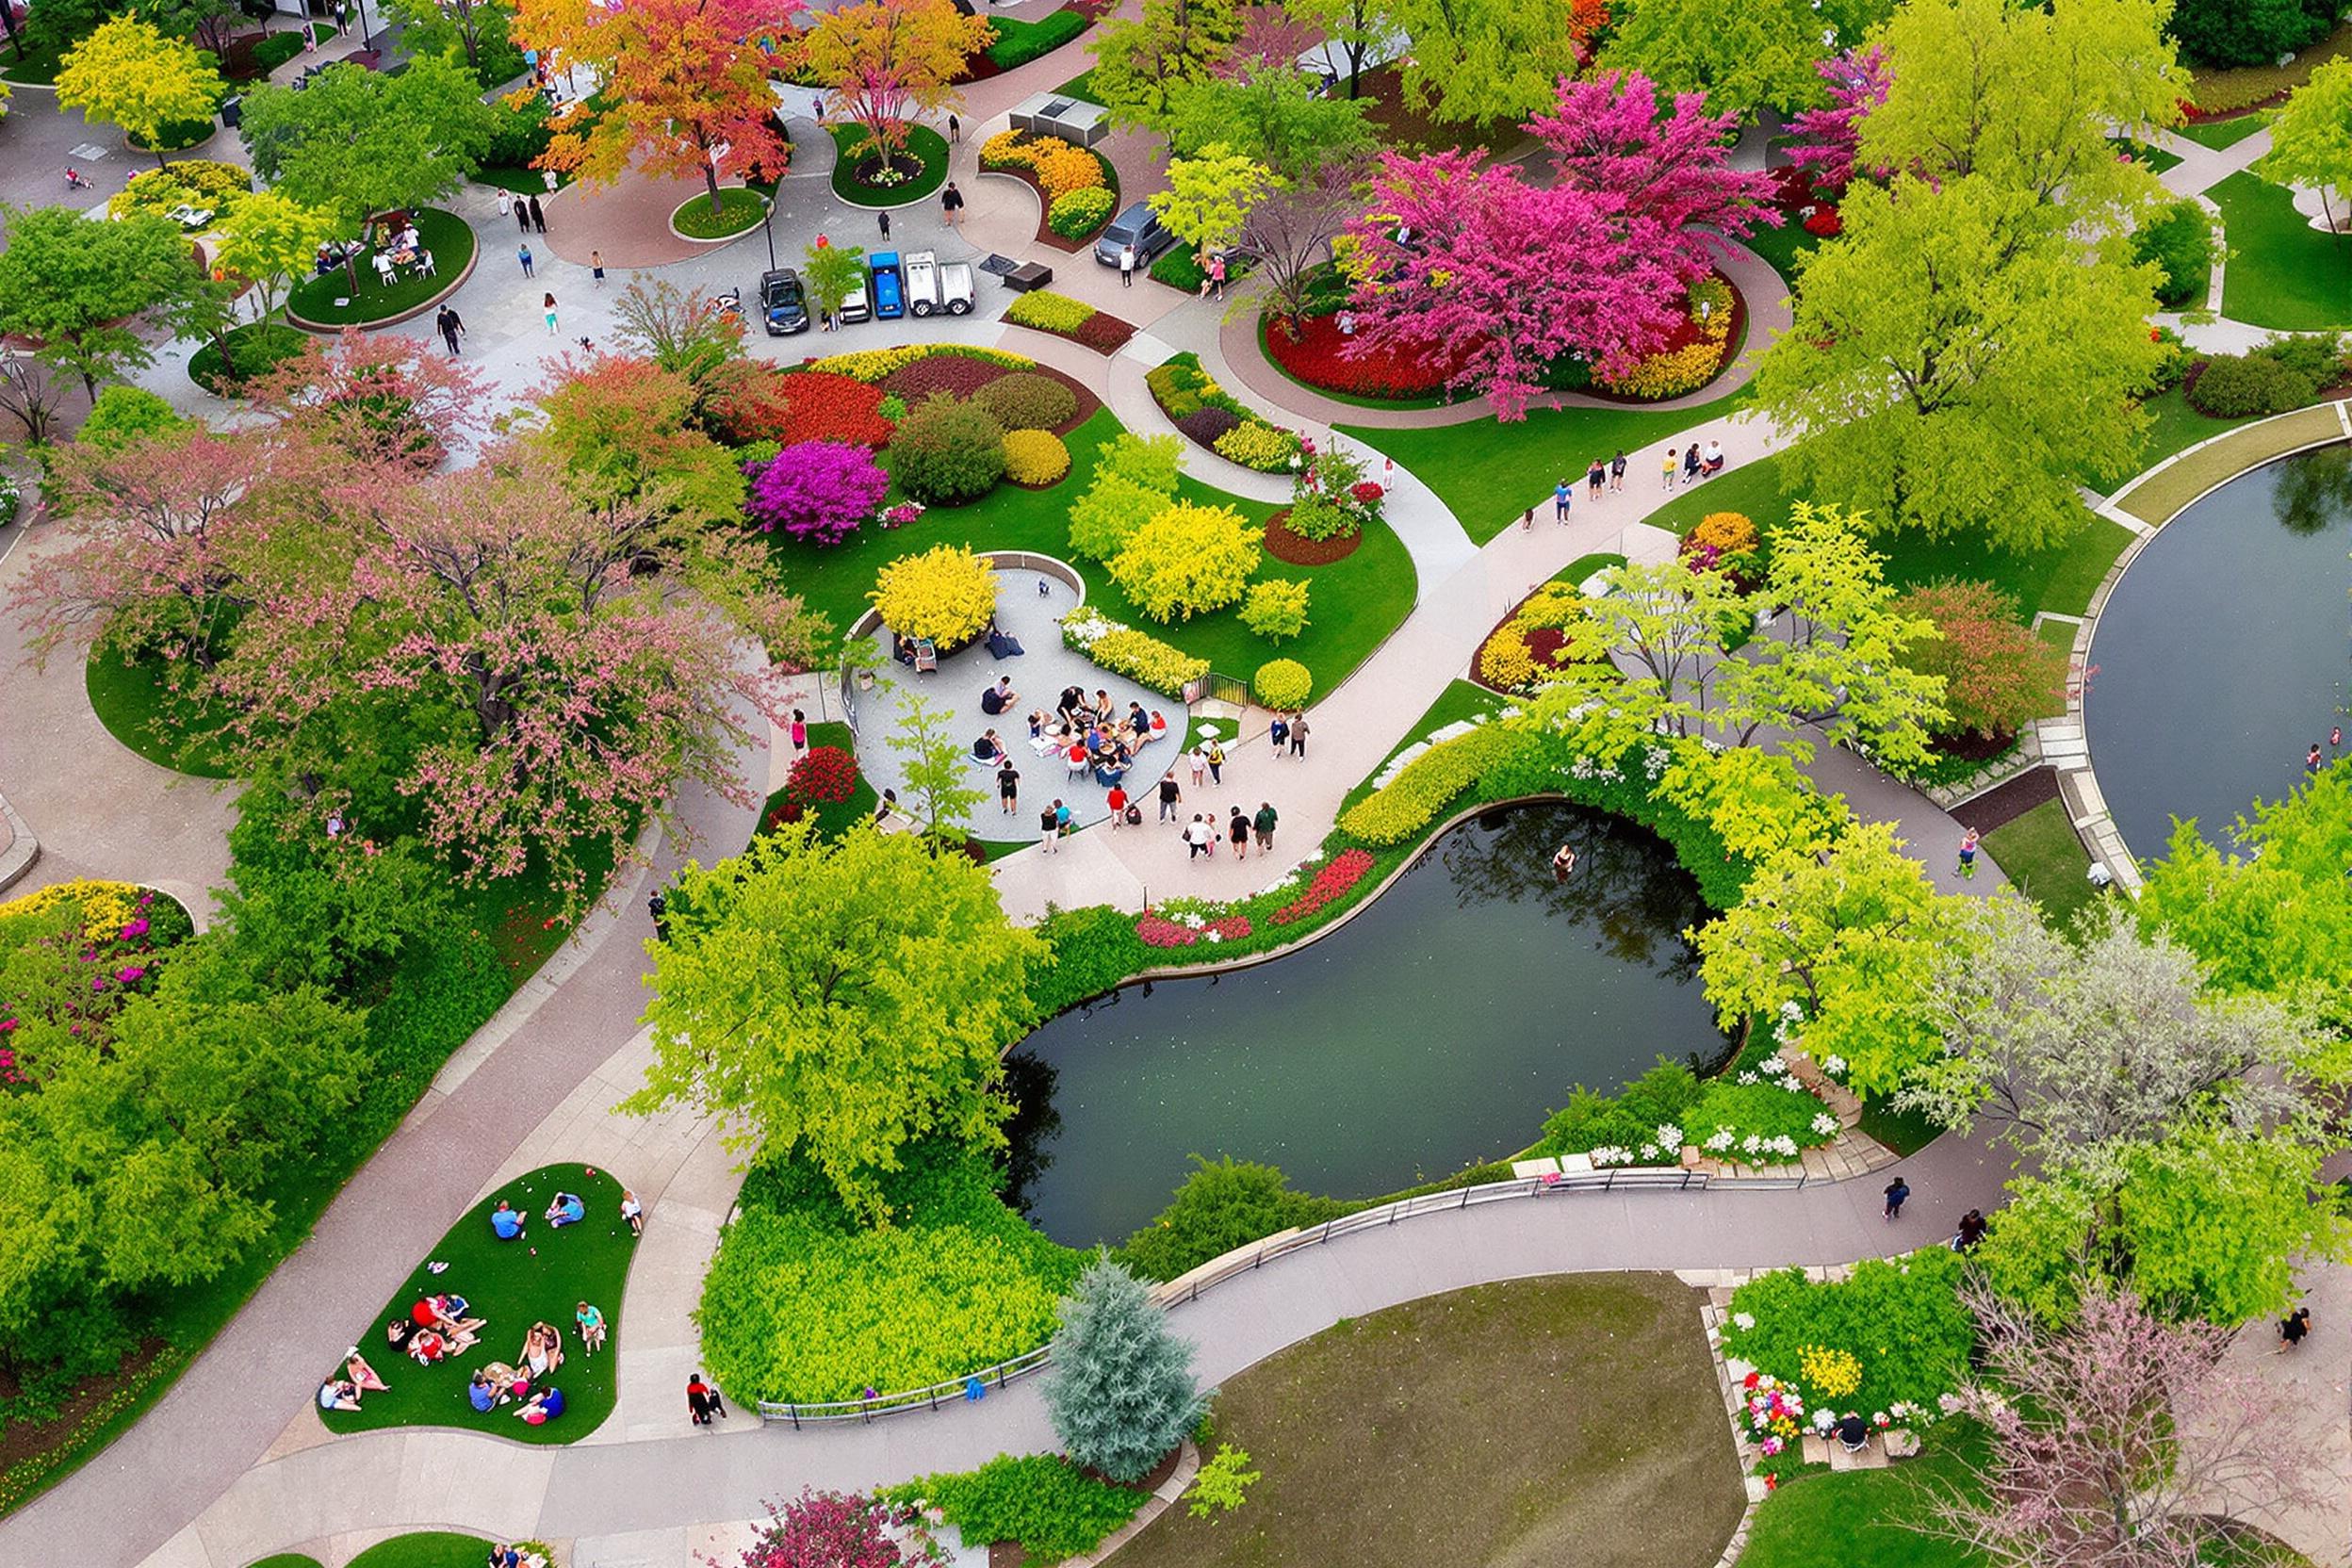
(1828, 136)
(379, 400)
(2121, 1439)
(818, 491)
(1478, 267)
(1654, 176)
(549, 694)
(831, 1529)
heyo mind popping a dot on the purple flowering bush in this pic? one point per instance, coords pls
(819, 491)
(71, 956)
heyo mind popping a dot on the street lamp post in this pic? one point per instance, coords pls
(767, 227)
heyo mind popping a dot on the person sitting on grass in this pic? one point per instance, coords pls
(504, 1222)
(355, 1367)
(483, 1395)
(338, 1393)
(426, 1345)
(542, 1407)
(633, 1213)
(428, 1317)
(591, 1323)
(569, 1208)
(543, 1349)
(452, 1314)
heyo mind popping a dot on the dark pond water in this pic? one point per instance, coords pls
(1437, 1028)
(2225, 651)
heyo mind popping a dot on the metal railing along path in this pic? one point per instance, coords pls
(1248, 1260)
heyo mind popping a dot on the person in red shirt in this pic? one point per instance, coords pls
(1118, 803)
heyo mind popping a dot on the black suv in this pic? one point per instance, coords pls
(781, 305)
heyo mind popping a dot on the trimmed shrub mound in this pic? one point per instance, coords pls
(1283, 683)
(946, 593)
(1034, 458)
(1028, 401)
(948, 452)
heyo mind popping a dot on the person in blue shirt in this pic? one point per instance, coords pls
(505, 1222)
(481, 1394)
(542, 1407)
(569, 1208)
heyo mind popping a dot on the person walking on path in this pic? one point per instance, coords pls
(2294, 1329)
(506, 203)
(1198, 760)
(1215, 757)
(1169, 795)
(596, 264)
(1117, 801)
(1126, 266)
(522, 253)
(1617, 470)
(549, 305)
(1278, 733)
(1564, 496)
(885, 219)
(522, 217)
(1264, 823)
(1674, 460)
(658, 907)
(1237, 829)
(1217, 274)
(1690, 466)
(1898, 1191)
(1968, 854)
(1007, 786)
(1199, 839)
(1594, 478)
(951, 206)
(698, 1400)
(538, 219)
(449, 324)
(1049, 831)
(1299, 734)
(800, 732)
(1973, 1229)
(954, 129)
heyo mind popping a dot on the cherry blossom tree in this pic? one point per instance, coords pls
(379, 400)
(885, 61)
(1478, 267)
(1654, 178)
(1857, 84)
(830, 1530)
(2119, 1440)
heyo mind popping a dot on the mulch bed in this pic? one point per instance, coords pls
(1046, 236)
(2006, 803)
(1299, 551)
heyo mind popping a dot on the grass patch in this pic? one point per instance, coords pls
(286, 1560)
(1751, 489)
(1904, 1131)
(2155, 159)
(1488, 472)
(1464, 1393)
(1856, 1518)
(1080, 86)
(837, 817)
(922, 142)
(2220, 135)
(2155, 498)
(2173, 427)
(424, 1549)
(540, 1277)
(738, 209)
(39, 67)
(254, 348)
(2041, 853)
(1356, 602)
(2282, 274)
(136, 703)
(447, 235)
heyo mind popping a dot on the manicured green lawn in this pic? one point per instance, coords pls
(1751, 489)
(1858, 1519)
(290, 1559)
(1354, 604)
(132, 700)
(1080, 86)
(540, 1277)
(921, 143)
(1904, 1131)
(1489, 472)
(2282, 274)
(2157, 159)
(447, 235)
(2173, 427)
(254, 348)
(738, 209)
(1572, 1419)
(2042, 854)
(2220, 134)
(424, 1549)
(38, 66)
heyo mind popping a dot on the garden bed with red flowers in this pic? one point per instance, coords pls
(1315, 358)
(1299, 551)
(1157, 930)
(790, 407)
(1338, 874)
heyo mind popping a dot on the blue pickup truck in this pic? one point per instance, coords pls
(889, 288)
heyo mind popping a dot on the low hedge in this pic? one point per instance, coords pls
(1137, 655)
(1414, 798)
(1053, 1509)
(1028, 401)
(1019, 42)
(874, 365)
(1046, 311)
(1080, 213)
(1903, 1321)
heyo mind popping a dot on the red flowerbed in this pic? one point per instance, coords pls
(822, 774)
(805, 405)
(1315, 357)
(1159, 931)
(1338, 874)
(1825, 223)
(958, 375)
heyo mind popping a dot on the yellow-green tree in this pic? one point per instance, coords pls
(129, 74)
(270, 239)
(1210, 194)
(1187, 558)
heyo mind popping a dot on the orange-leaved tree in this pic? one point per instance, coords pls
(682, 85)
(886, 60)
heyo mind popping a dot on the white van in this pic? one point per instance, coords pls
(934, 286)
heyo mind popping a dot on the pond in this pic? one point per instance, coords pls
(2222, 655)
(1436, 1029)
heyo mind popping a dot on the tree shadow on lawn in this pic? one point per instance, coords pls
(542, 1276)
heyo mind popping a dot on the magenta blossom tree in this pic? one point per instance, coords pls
(1857, 84)
(1653, 177)
(820, 491)
(831, 1529)
(1479, 267)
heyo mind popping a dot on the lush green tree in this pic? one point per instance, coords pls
(82, 289)
(1855, 937)
(2274, 914)
(357, 143)
(272, 239)
(1744, 55)
(832, 273)
(1956, 363)
(1209, 195)
(621, 427)
(1135, 481)
(840, 999)
(2248, 32)
(1120, 1388)
(478, 32)
(2311, 137)
(211, 25)
(1757, 801)
(1139, 61)
(687, 334)
(1270, 115)
(1357, 28)
(938, 770)
(128, 74)
(123, 415)
(1187, 558)
(2028, 97)
(1482, 61)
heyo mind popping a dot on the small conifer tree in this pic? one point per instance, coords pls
(1122, 1391)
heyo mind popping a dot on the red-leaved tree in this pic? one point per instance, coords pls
(2120, 1441)
(1828, 136)
(885, 61)
(1997, 672)
(1654, 178)
(829, 1529)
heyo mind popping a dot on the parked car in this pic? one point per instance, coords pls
(1138, 227)
(859, 306)
(782, 306)
(889, 288)
(935, 286)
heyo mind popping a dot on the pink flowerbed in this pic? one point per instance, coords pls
(1156, 930)
(1338, 874)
